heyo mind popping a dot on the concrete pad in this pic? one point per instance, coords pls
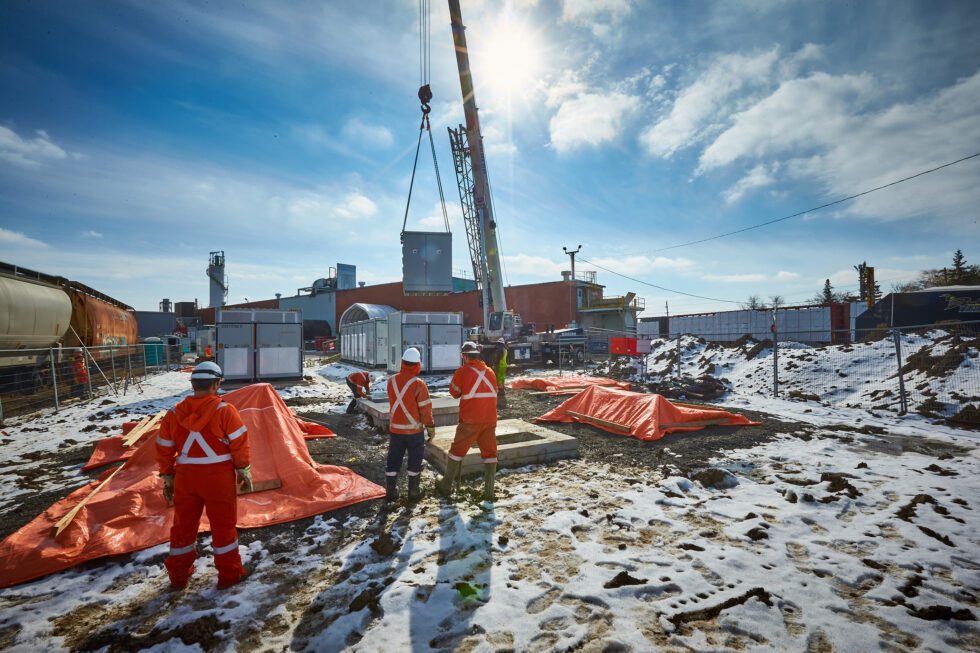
(445, 411)
(519, 443)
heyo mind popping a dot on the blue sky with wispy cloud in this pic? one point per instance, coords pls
(136, 137)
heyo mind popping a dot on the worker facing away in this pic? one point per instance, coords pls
(208, 353)
(203, 458)
(475, 385)
(359, 384)
(79, 375)
(411, 417)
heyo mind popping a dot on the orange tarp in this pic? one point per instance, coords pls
(642, 416)
(111, 450)
(561, 383)
(129, 512)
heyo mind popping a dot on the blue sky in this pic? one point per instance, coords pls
(136, 137)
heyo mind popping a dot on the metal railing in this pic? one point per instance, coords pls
(35, 379)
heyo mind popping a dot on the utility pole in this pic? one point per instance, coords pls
(572, 253)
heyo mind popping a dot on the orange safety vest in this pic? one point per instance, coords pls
(475, 385)
(208, 352)
(408, 396)
(362, 380)
(199, 432)
(81, 371)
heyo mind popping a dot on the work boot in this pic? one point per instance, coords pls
(445, 484)
(489, 474)
(391, 488)
(352, 407)
(414, 489)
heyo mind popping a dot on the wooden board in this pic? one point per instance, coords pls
(261, 486)
(703, 422)
(145, 426)
(595, 421)
(63, 523)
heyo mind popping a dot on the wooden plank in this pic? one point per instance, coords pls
(63, 523)
(703, 422)
(143, 428)
(595, 421)
(261, 486)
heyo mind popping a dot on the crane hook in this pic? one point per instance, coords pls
(425, 96)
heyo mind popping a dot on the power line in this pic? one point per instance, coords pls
(653, 285)
(818, 208)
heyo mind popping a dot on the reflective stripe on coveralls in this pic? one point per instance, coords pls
(399, 403)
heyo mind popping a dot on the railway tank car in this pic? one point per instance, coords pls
(40, 314)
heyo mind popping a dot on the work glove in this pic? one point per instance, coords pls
(431, 431)
(243, 475)
(168, 488)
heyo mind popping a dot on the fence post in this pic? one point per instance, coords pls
(54, 381)
(166, 353)
(112, 359)
(88, 376)
(678, 374)
(129, 368)
(902, 399)
(775, 357)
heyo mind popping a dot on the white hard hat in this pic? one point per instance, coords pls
(470, 347)
(412, 356)
(207, 370)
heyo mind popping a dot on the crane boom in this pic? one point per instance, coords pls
(493, 283)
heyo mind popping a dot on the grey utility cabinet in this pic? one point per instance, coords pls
(427, 262)
(437, 336)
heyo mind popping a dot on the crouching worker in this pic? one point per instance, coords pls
(475, 385)
(203, 457)
(359, 384)
(411, 413)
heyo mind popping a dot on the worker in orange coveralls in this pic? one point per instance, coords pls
(475, 385)
(360, 384)
(411, 412)
(203, 457)
(79, 374)
(208, 353)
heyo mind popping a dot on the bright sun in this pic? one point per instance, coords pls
(510, 59)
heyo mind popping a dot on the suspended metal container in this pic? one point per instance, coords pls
(427, 263)
(437, 336)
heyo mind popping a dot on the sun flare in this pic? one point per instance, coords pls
(511, 60)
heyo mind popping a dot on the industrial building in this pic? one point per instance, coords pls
(550, 304)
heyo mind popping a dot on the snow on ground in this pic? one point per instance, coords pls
(823, 540)
(942, 371)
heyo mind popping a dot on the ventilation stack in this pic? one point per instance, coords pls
(218, 280)
(165, 306)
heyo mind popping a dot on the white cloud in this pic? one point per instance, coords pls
(588, 11)
(787, 276)
(17, 239)
(799, 113)
(436, 220)
(321, 206)
(590, 119)
(91, 234)
(373, 136)
(28, 152)
(697, 106)
(735, 278)
(823, 128)
(757, 177)
(641, 265)
(533, 267)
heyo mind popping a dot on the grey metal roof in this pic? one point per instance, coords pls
(361, 312)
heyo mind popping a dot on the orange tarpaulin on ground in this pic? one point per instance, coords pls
(642, 416)
(560, 383)
(129, 512)
(111, 450)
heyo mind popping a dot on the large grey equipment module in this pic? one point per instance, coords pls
(437, 336)
(427, 263)
(259, 344)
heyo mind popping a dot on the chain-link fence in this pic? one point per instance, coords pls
(931, 370)
(34, 379)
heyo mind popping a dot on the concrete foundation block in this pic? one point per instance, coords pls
(445, 411)
(519, 443)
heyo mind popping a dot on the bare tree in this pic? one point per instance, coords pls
(753, 303)
(775, 301)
